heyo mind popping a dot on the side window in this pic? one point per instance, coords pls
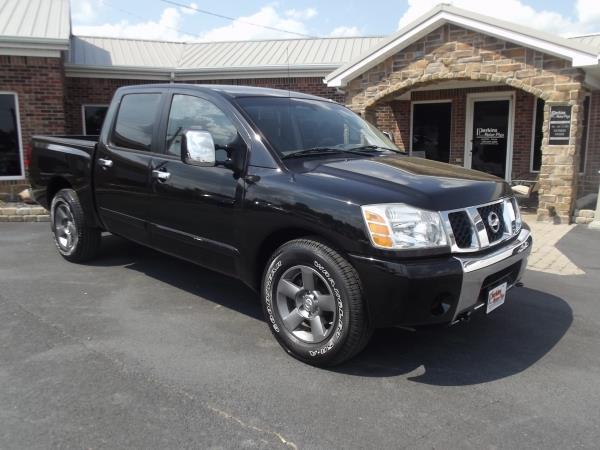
(188, 111)
(135, 121)
(93, 118)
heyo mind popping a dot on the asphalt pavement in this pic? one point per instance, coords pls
(141, 350)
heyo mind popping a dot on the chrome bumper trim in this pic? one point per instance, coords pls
(476, 269)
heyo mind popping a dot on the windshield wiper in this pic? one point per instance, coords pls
(314, 151)
(363, 150)
(374, 148)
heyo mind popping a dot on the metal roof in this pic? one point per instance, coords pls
(318, 55)
(97, 51)
(35, 20)
(325, 51)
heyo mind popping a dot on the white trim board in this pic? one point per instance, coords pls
(19, 139)
(491, 96)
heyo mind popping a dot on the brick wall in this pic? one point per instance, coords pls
(82, 91)
(39, 85)
(395, 116)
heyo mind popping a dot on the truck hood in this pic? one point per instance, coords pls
(401, 179)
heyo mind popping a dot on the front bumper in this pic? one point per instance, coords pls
(438, 290)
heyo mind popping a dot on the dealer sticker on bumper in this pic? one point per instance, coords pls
(496, 297)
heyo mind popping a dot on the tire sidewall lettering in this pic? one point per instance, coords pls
(340, 316)
(271, 278)
(269, 292)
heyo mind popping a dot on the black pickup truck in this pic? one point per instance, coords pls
(296, 196)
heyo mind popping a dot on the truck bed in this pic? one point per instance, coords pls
(62, 161)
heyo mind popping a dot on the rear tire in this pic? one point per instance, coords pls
(312, 300)
(74, 239)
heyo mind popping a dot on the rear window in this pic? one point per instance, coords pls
(135, 121)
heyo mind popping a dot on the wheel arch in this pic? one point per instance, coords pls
(279, 237)
(56, 184)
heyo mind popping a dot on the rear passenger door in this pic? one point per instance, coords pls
(195, 211)
(122, 171)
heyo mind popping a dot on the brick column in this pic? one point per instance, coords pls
(559, 170)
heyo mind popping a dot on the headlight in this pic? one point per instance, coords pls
(399, 226)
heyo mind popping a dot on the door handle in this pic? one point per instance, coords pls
(161, 175)
(105, 162)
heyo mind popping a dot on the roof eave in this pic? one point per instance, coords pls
(45, 47)
(126, 72)
(210, 73)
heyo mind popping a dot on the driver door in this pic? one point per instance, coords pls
(194, 212)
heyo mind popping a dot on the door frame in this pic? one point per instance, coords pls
(412, 112)
(490, 96)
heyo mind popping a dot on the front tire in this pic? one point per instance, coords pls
(312, 300)
(74, 239)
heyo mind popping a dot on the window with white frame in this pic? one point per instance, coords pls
(538, 135)
(584, 132)
(11, 151)
(538, 122)
(93, 118)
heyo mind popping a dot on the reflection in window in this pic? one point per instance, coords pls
(93, 118)
(10, 151)
(188, 111)
(584, 132)
(291, 124)
(431, 130)
(135, 121)
(538, 135)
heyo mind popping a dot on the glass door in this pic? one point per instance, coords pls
(431, 130)
(490, 136)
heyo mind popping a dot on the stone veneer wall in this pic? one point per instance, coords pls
(40, 88)
(455, 53)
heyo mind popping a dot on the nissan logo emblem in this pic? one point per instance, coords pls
(493, 221)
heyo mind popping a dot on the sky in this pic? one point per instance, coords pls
(163, 20)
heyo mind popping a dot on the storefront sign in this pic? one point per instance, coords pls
(489, 136)
(560, 125)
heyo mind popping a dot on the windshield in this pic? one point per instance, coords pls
(294, 124)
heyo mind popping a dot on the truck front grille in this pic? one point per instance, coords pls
(482, 226)
(461, 227)
(485, 212)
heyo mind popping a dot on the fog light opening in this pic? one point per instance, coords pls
(441, 305)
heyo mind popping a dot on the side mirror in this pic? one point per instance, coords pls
(198, 148)
(389, 135)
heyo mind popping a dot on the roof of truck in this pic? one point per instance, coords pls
(229, 90)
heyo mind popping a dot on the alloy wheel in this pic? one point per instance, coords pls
(306, 304)
(64, 226)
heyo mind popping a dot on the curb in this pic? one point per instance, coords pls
(13, 213)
